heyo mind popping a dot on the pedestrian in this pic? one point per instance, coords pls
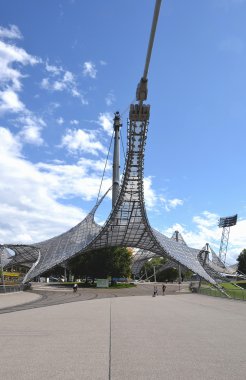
(163, 289)
(75, 288)
(155, 291)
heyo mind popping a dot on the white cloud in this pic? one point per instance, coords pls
(89, 69)
(105, 120)
(65, 81)
(30, 194)
(149, 194)
(103, 63)
(54, 70)
(12, 32)
(9, 145)
(60, 120)
(9, 55)
(74, 122)
(10, 102)
(82, 141)
(110, 98)
(31, 130)
(170, 204)
(206, 230)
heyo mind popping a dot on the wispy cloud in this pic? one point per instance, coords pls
(62, 80)
(31, 129)
(78, 140)
(74, 122)
(10, 74)
(102, 62)
(110, 98)
(105, 120)
(11, 60)
(89, 69)
(60, 120)
(12, 32)
(54, 70)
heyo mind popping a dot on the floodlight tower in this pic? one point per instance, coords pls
(225, 223)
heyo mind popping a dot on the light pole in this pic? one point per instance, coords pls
(1, 263)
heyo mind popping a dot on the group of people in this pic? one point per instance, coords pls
(156, 290)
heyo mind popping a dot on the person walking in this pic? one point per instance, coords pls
(155, 291)
(75, 288)
(163, 289)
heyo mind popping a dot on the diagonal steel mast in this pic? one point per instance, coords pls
(141, 95)
(142, 89)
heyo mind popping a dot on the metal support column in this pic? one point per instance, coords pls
(179, 267)
(116, 159)
(206, 253)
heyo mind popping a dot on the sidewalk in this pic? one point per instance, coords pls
(18, 298)
(140, 338)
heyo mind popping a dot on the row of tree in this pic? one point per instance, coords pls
(114, 262)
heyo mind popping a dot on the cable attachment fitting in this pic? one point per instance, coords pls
(142, 90)
(117, 121)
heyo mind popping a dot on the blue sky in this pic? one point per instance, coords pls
(67, 66)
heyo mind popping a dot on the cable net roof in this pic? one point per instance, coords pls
(127, 225)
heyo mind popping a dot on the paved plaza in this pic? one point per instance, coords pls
(187, 336)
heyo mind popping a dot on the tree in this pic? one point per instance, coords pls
(170, 274)
(242, 261)
(101, 263)
(148, 267)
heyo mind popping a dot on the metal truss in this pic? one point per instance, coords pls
(127, 224)
(224, 244)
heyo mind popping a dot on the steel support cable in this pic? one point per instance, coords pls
(105, 167)
(122, 145)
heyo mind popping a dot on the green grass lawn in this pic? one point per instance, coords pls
(229, 287)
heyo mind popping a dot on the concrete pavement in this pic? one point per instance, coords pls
(18, 298)
(167, 337)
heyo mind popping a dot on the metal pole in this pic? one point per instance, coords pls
(179, 267)
(146, 273)
(116, 159)
(206, 252)
(154, 273)
(151, 38)
(4, 287)
(142, 88)
(179, 276)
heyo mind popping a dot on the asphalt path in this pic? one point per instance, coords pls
(53, 295)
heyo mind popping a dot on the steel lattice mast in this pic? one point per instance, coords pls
(226, 223)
